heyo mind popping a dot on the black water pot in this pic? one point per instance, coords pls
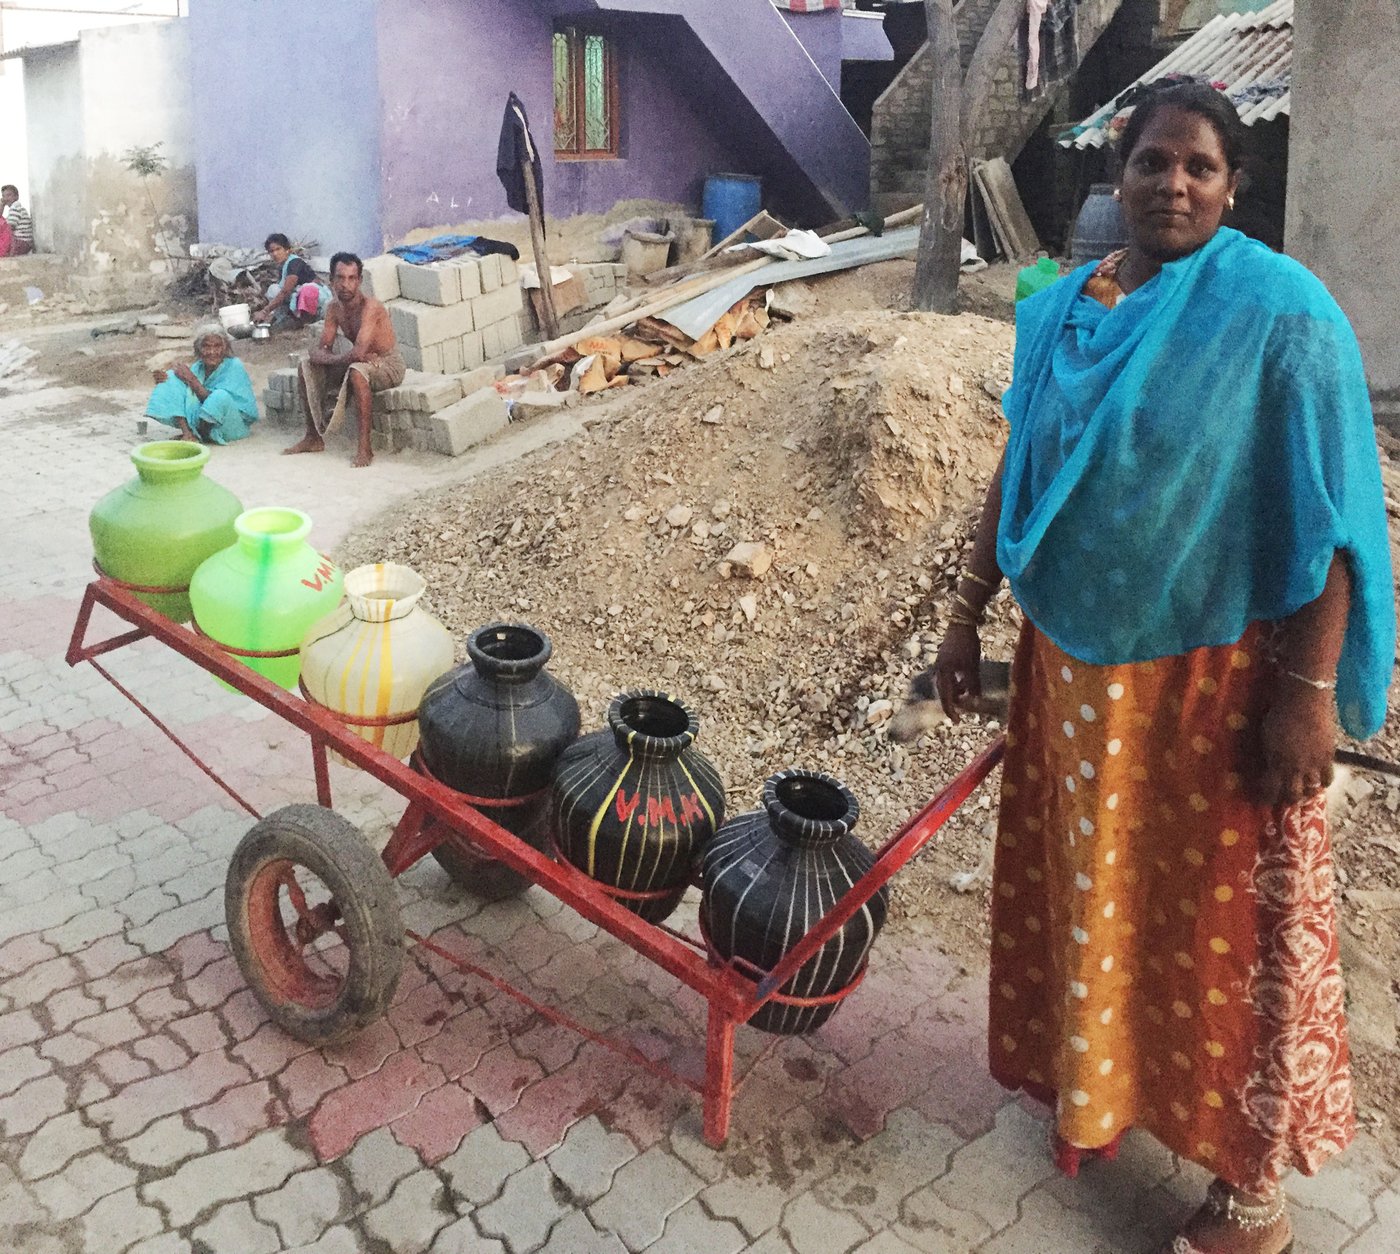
(493, 729)
(635, 804)
(770, 874)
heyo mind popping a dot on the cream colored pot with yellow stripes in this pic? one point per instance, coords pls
(371, 660)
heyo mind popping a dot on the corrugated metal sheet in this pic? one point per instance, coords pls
(1249, 55)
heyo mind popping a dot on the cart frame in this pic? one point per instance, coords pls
(733, 990)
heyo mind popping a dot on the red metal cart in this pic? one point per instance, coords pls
(281, 934)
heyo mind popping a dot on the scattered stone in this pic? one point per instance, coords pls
(749, 604)
(713, 416)
(720, 509)
(679, 516)
(878, 711)
(766, 360)
(750, 558)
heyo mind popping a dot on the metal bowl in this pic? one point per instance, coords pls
(262, 331)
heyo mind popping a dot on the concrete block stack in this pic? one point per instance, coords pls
(432, 413)
(452, 316)
(603, 282)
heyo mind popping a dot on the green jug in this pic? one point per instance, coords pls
(259, 595)
(155, 529)
(1036, 278)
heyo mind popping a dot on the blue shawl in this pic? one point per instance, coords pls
(1187, 463)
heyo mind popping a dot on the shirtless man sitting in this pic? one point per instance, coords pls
(372, 364)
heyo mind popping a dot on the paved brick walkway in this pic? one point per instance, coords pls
(147, 1105)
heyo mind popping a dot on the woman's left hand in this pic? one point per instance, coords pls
(185, 374)
(1298, 739)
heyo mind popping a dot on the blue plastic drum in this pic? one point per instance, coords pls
(731, 200)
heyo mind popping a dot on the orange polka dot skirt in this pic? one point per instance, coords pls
(1164, 951)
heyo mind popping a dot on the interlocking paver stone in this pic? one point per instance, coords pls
(526, 1210)
(411, 1217)
(56, 1144)
(462, 1237)
(261, 1164)
(589, 1158)
(479, 1170)
(991, 1174)
(691, 1228)
(574, 1234)
(234, 1229)
(303, 1209)
(644, 1193)
(166, 1142)
(812, 1227)
(377, 1164)
(88, 1177)
(117, 1221)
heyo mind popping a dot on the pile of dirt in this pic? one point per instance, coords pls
(855, 450)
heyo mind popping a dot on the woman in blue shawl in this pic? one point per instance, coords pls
(1190, 515)
(211, 399)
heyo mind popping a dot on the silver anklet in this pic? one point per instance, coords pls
(1222, 1203)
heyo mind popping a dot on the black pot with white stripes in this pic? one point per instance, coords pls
(632, 806)
(770, 874)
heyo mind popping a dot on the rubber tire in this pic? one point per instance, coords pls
(334, 850)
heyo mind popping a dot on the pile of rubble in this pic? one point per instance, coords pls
(770, 535)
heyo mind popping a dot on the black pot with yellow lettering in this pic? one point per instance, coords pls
(770, 874)
(634, 805)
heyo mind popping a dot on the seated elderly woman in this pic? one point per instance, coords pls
(298, 296)
(211, 399)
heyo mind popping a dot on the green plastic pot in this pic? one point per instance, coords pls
(261, 593)
(155, 530)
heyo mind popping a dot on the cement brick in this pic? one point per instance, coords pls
(540, 404)
(481, 377)
(495, 306)
(472, 419)
(433, 285)
(473, 351)
(417, 325)
(382, 277)
(510, 272)
(509, 330)
(491, 341)
(469, 275)
(452, 356)
(490, 272)
(426, 357)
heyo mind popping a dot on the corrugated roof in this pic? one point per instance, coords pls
(1249, 56)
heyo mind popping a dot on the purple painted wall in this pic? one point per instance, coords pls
(445, 84)
(275, 158)
(820, 34)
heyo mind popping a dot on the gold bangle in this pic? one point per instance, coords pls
(986, 583)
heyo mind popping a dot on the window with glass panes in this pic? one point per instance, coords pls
(585, 94)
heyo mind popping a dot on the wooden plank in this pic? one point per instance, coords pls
(999, 187)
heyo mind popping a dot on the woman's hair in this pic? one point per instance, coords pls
(1198, 98)
(279, 239)
(212, 330)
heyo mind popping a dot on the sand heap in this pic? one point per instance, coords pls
(847, 454)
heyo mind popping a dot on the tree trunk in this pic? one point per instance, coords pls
(997, 36)
(945, 195)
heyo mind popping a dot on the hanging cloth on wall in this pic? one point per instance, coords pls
(515, 155)
(1049, 43)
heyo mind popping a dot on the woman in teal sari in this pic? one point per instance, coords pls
(211, 400)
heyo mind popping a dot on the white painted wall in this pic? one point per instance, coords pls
(53, 89)
(31, 28)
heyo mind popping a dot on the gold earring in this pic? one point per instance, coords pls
(1230, 202)
(1117, 193)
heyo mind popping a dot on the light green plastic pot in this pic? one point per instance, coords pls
(155, 530)
(261, 593)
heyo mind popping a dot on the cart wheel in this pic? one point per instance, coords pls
(314, 923)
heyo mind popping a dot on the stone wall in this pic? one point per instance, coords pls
(900, 128)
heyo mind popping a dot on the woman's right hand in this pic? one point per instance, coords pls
(956, 674)
(159, 375)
